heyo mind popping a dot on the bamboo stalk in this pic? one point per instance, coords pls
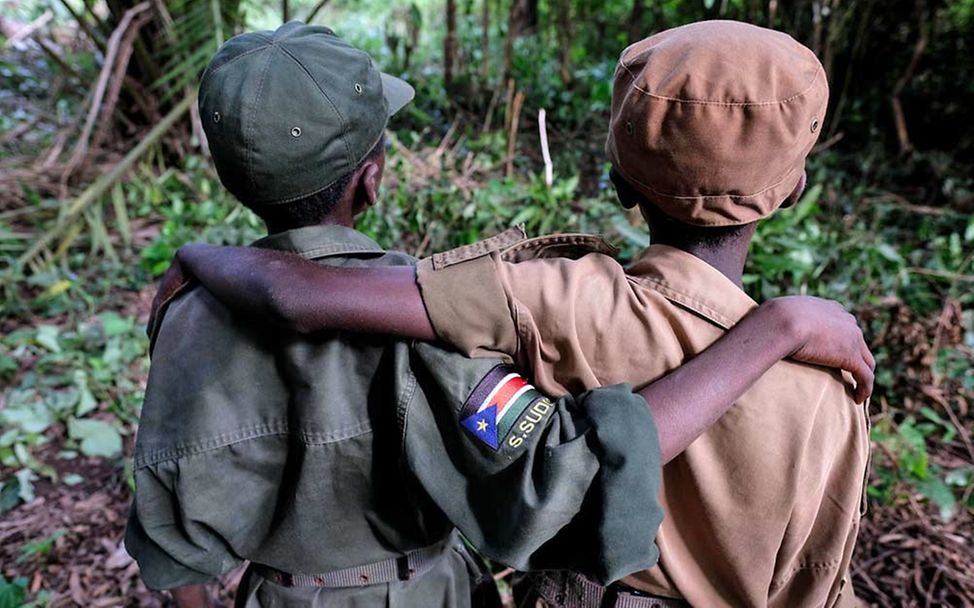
(101, 185)
(512, 133)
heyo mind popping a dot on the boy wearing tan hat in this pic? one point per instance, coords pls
(710, 127)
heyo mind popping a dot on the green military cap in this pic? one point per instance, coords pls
(288, 112)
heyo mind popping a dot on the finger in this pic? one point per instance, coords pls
(864, 381)
(868, 356)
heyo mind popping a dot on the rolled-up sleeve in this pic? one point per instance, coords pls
(536, 313)
(570, 483)
(470, 306)
(173, 544)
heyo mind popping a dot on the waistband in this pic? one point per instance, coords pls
(402, 568)
(571, 590)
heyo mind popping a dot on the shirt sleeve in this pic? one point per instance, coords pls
(175, 550)
(535, 313)
(200, 496)
(533, 482)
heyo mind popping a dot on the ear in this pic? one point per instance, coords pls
(367, 192)
(627, 196)
(796, 194)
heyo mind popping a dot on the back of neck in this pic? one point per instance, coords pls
(728, 260)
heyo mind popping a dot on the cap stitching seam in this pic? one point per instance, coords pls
(209, 72)
(252, 128)
(705, 196)
(705, 102)
(341, 118)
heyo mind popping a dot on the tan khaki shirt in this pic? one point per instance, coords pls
(763, 509)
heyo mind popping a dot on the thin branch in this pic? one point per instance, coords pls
(314, 12)
(902, 133)
(114, 43)
(545, 153)
(94, 192)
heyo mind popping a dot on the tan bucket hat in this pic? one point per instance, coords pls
(712, 121)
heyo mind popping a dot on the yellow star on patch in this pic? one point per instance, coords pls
(481, 426)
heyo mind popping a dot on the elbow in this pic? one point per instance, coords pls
(283, 308)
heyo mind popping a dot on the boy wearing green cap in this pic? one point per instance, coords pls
(710, 127)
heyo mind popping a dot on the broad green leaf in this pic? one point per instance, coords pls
(13, 593)
(9, 437)
(9, 494)
(47, 337)
(73, 479)
(940, 494)
(962, 477)
(86, 400)
(25, 485)
(98, 438)
(32, 418)
(114, 325)
(887, 251)
(57, 288)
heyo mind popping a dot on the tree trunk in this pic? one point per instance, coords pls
(563, 21)
(450, 43)
(485, 41)
(659, 19)
(530, 17)
(636, 20)
(512, 21)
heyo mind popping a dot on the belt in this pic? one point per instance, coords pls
(415, 563)
(571, 590)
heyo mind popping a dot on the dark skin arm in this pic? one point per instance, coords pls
(191, 596)
(307, 297)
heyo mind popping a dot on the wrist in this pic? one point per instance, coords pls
(786, 325)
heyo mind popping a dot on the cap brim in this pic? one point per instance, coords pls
(397, 92)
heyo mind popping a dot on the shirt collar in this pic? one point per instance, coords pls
(687, 280)
(325, 240)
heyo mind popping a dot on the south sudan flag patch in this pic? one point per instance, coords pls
(496, 404)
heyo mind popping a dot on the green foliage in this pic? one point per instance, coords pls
(13, 593)
(197, 31)
(86, 378)
(907, 443)
(40, 549)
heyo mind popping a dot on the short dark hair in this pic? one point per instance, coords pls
(309, 211)
(687, 235)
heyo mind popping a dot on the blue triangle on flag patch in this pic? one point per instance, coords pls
(483, 425)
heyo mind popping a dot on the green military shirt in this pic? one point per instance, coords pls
(314, 455)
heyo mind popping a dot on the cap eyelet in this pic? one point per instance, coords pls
(216, 117)
(295, 131)
(814, 125)
(630, 129)
(358, 88)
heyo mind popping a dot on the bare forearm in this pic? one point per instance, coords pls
(692, 397)
(375, 300)
(309, 297)
(191, 596)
